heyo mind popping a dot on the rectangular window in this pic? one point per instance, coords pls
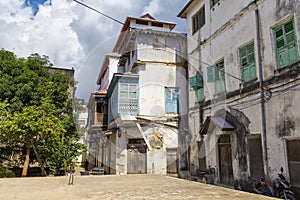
(171, 100)
(198, 20)
(220, 77)
(142, 22)
(216, 74)
(247, 62)
(128, 99)
(286, 44)
(157, 24)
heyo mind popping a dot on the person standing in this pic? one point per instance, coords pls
(86, 165)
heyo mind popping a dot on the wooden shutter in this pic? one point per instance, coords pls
(286, 44)
(200, 94)
(291, 43)
(193, 83)
(282, 53)
(211, 74)
(247, 62)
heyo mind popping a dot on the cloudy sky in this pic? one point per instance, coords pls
(72, 35)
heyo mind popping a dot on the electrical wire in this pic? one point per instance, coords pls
(177, 51)
(105, 15)
(112, 18)
(274, 94)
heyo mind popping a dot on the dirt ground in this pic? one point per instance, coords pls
(115, 187)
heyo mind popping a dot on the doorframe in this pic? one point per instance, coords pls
(286, 164)
(138, 146)
(177, 158)
(218, 135)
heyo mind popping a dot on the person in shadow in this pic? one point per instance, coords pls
(86, 165)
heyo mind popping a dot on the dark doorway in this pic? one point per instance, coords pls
(201, 156)
(172, 161)
(136, 156)
(293, 156)
(256, 158)
(225, 160)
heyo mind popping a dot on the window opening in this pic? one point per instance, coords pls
(198, 19)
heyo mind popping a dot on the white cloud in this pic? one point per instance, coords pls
(124, 4)
(48, 33)
(153, 8)
(72, 35)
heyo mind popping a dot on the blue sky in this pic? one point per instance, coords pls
(34, 4)
(72, 35)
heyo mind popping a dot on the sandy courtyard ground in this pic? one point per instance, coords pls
(115, 187)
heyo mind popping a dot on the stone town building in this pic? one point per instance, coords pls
(244, 96)
(96, 139)
(145, 110)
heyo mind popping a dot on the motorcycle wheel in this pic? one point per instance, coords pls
(257, 187)
(288, 196)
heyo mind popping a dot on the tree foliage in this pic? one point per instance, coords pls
(36, 111)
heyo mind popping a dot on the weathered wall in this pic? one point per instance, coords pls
(282, 123)
(121, 153)
(111, 153)
(219, 41)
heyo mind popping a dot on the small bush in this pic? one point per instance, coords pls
(6, 173)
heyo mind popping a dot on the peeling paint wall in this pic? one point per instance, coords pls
(229, 26)
(283, 112)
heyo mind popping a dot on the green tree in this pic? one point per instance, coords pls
(36, 111)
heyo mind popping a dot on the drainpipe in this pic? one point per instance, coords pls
(263, 113)
(102, 154)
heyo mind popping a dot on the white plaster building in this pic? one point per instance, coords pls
(147, 102)
(98, 113)
(244, 81)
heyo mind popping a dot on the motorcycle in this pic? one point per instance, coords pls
(280, 188)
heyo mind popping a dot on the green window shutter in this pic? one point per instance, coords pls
(247, 62)
(193, 83)
(291, 43)
(200, 95)
(286, 44)
(293, 54)
(211, 74)
(199, 79)
(220, 86)
(282, 55)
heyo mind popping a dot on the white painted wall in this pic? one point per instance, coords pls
(112, 67)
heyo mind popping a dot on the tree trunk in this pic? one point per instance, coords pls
(26, 162)
(43, 171)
